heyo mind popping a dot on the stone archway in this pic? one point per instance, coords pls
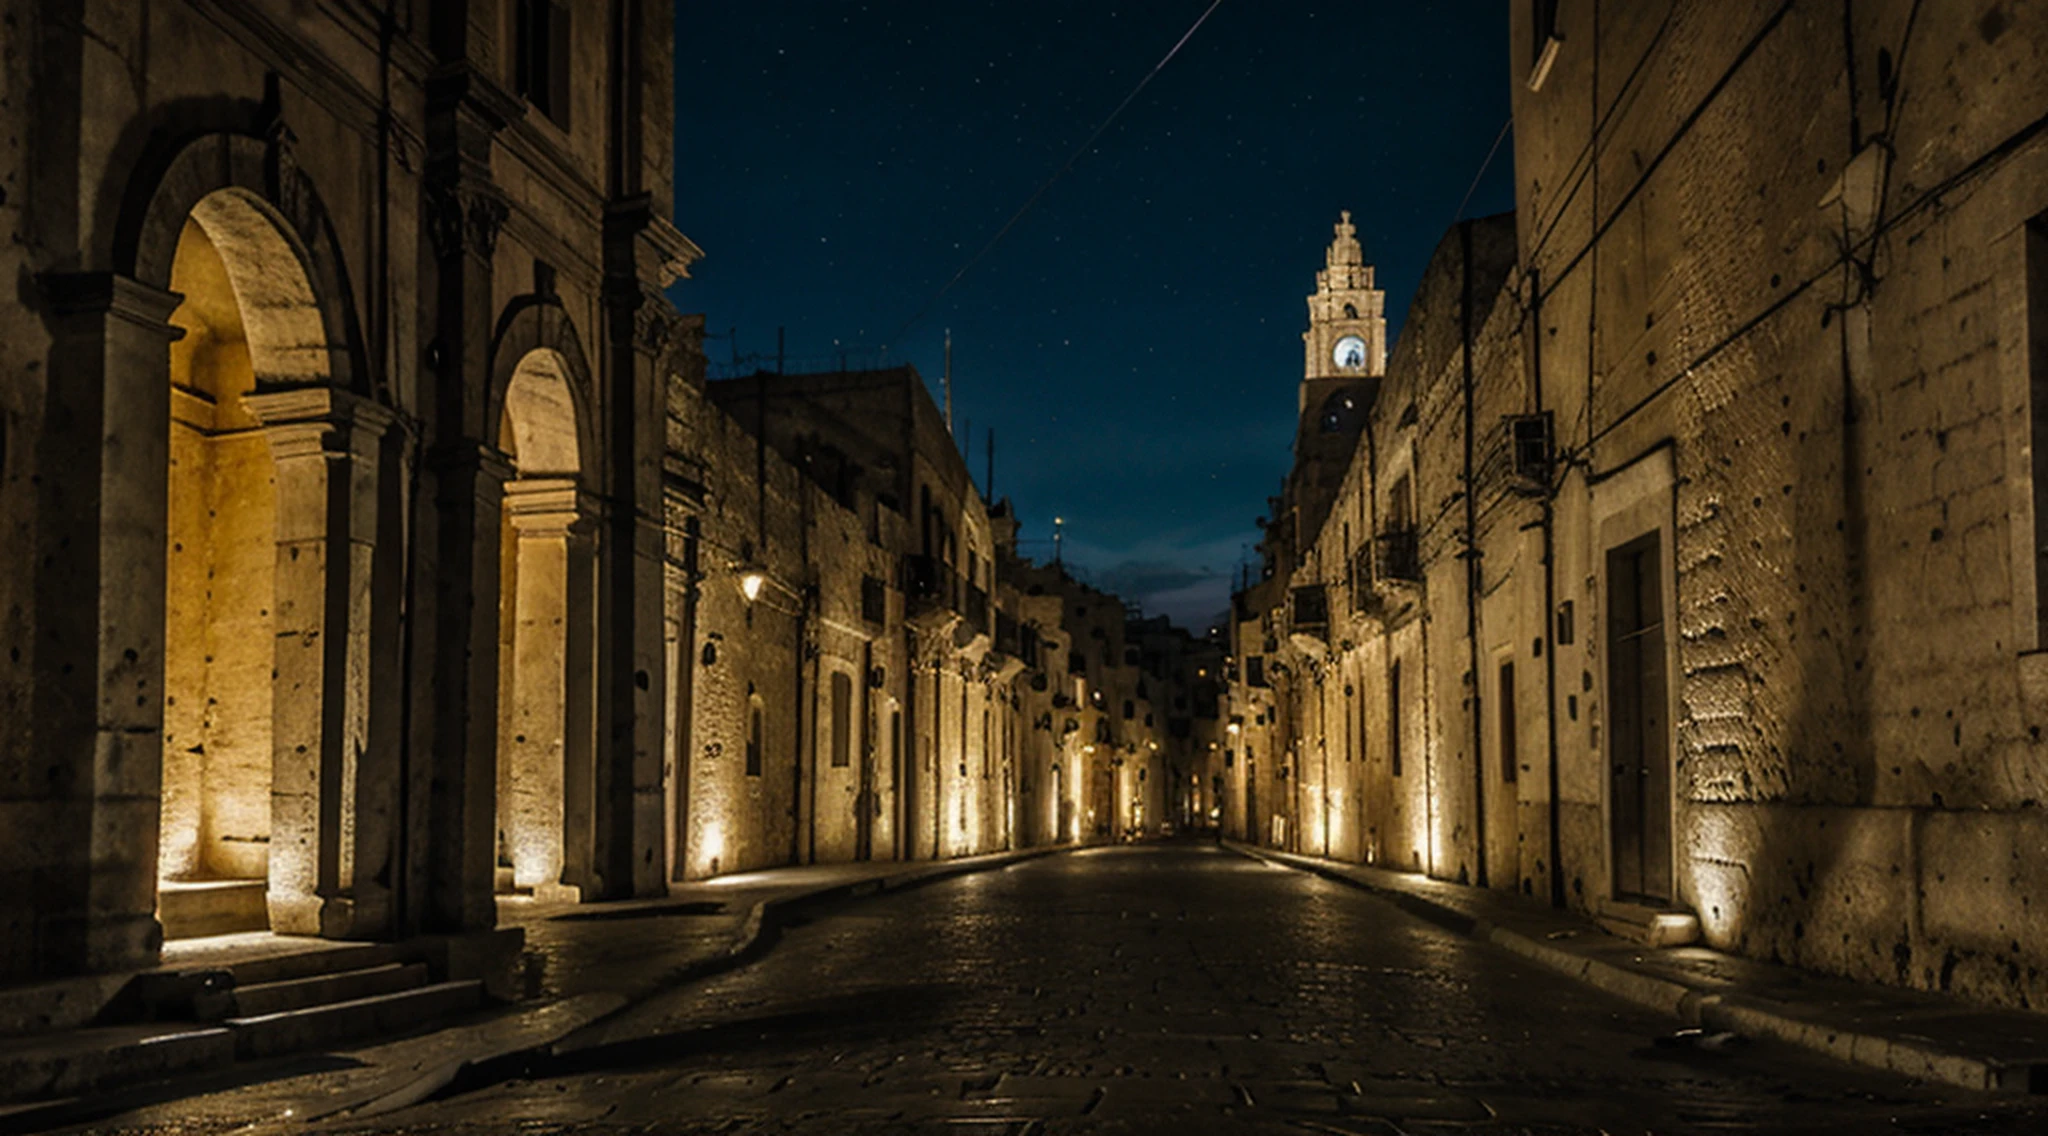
(219, 589)
(546, 668)
(271, 482)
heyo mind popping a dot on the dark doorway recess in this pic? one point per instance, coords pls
(1639, 740)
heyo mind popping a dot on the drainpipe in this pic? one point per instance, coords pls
(1556, 838)
(796, 827)
(1473, 582)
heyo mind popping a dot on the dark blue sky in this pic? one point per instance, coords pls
(1135, 339)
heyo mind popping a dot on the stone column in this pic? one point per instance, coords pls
(83, 831)
(534, 787)
(629, 825)
(580, 748)
(451, 830)
(332, 793)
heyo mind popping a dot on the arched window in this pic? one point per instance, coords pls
(1351, 311)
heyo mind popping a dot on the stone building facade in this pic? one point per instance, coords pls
(332, 392)
(1716, 611)
(375, 547)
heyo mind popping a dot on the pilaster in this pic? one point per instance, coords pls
(333, 791)
(97, 709)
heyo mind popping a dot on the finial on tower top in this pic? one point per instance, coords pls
(1346, 215)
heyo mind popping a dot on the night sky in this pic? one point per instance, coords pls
(1135, 340)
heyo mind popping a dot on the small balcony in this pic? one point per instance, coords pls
(1397, 559)
(930, 585)
(1309, 610)
(976, 609)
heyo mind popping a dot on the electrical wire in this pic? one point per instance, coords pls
(1491, 151)
(1056, 175)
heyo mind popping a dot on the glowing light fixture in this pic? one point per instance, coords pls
(752, 579)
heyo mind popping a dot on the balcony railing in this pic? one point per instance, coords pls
(1310, 614)
(976, 608)
(930, 584)
(1397, 557)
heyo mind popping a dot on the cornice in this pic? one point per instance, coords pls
(328, 84)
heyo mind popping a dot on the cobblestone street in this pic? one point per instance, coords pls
(1161, 988)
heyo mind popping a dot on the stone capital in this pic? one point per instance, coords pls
(545, 507)
(110, 293)
(465, 218)
(319, 421)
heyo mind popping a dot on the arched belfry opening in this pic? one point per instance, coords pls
(546, 650)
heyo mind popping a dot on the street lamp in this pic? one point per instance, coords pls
(752, 577)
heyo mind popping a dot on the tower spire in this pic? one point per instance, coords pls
(1346, 338)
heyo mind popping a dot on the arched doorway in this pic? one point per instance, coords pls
(266, 628)
(214, 855)
(547, 681)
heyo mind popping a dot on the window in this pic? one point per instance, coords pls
(1341, 414)
(1255, 670)
(540, 57)
(1130, 709)
(1401, 505)
(842, 719)
(985, 767)
(1507, 722)
(754, 737)
(874, 600)
(1077, 663)
(1351, 311)
(2030, 327)
(1394, 717)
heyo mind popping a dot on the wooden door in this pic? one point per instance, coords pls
(1639, 740)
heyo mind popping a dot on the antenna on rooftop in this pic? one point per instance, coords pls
(946, 380)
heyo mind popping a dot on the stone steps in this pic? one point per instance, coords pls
(333, 1023)
(329, 996)
(331, 958)
(263, 998)
(79, 1061)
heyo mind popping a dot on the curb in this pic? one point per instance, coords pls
(758, 931)
(764, 923)
(1698, 1006)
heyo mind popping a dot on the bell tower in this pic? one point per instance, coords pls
(1345, 358)
(1345, 345)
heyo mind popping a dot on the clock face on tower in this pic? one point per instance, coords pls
(1349, 353)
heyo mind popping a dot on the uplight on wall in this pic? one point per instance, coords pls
(714, 846)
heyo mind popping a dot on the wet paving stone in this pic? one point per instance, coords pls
(1172, 989)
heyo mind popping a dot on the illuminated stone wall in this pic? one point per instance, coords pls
(1850, 510)
(269, 322)
(1788, 335)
